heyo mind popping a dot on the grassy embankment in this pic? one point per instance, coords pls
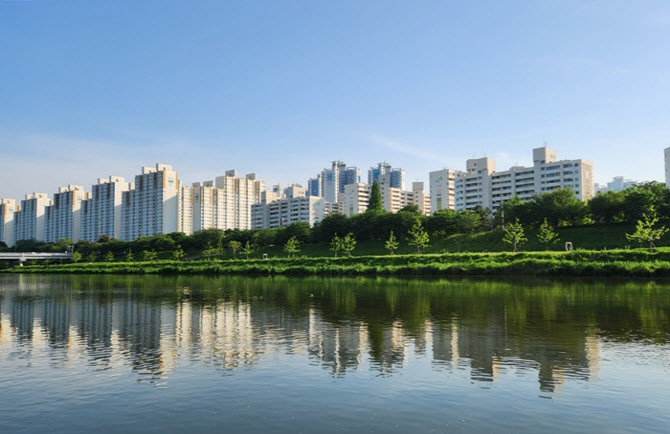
(482, 254)
(636, 262)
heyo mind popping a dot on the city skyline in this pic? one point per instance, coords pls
(422, 86)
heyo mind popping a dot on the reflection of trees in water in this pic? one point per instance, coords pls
(551, 328)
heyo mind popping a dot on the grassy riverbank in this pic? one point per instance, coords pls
(636, 262)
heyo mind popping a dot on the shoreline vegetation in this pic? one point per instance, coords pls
(624, 263)
(553, 234)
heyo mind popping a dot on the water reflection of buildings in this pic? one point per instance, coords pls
(155, 336)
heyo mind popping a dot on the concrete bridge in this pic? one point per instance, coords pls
(22, 257)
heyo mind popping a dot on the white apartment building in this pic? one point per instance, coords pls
(283, 212)
(473, 187)
(394, 199)
(417, 197)
(63, 216)
(481, 185)
(185, 210)
(8, 210)
(226, 202)
(30, 219)
(356, 199)
(618, 183)
(667, 167)
(151, 208)
(443, 189)
(239, 195)
(101, 213)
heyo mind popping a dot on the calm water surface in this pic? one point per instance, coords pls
(199, 354)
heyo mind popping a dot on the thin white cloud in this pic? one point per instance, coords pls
(411, 150)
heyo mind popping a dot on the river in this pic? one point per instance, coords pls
(274, 354)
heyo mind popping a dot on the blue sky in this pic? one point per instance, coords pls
(281, 88)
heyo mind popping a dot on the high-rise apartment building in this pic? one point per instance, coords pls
(443, 189)
(283, 212)
(30, 219)
(397, 175)
(185, 210)
(314, 186)
(618, 183)
(226, 202)
(356, 199)
(63, 216)
(8, 210)
(481, 185)
(239, 195)
(394, 199)
(101, 213)
(151, 208)
(333, 181)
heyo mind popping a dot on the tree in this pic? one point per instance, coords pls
(336, 244)
(607, 207)
(109, 257)
(76, 257)
(418, 237)
(149, 255)
(210, 253)
(442, 222)
(104, 238)
(514, 234)
(178, 253)
(468, 221)
(391, 244)
(129, 256)
(92, 257)
(547, 235)
(412, 209)
(348, 243)
(247, 250)
(292, 247)
(644, 230)
(234, 246)
(375, 203)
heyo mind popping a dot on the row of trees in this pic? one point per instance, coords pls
(561, 207)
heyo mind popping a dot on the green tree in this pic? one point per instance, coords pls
(391, 244)
(149, 255)
(375, 203)
(178, 253)
(547, 235)
(247, 250)
(336, 244)
(418, 237)
(514, 234)
(645, 231)
(92, 257)
(292, 247)
(607, 207)
(468, 221)
(348, 243)
(210, 253)
(76, 257)
(109, 257)
(129, 256)
(234, 246)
